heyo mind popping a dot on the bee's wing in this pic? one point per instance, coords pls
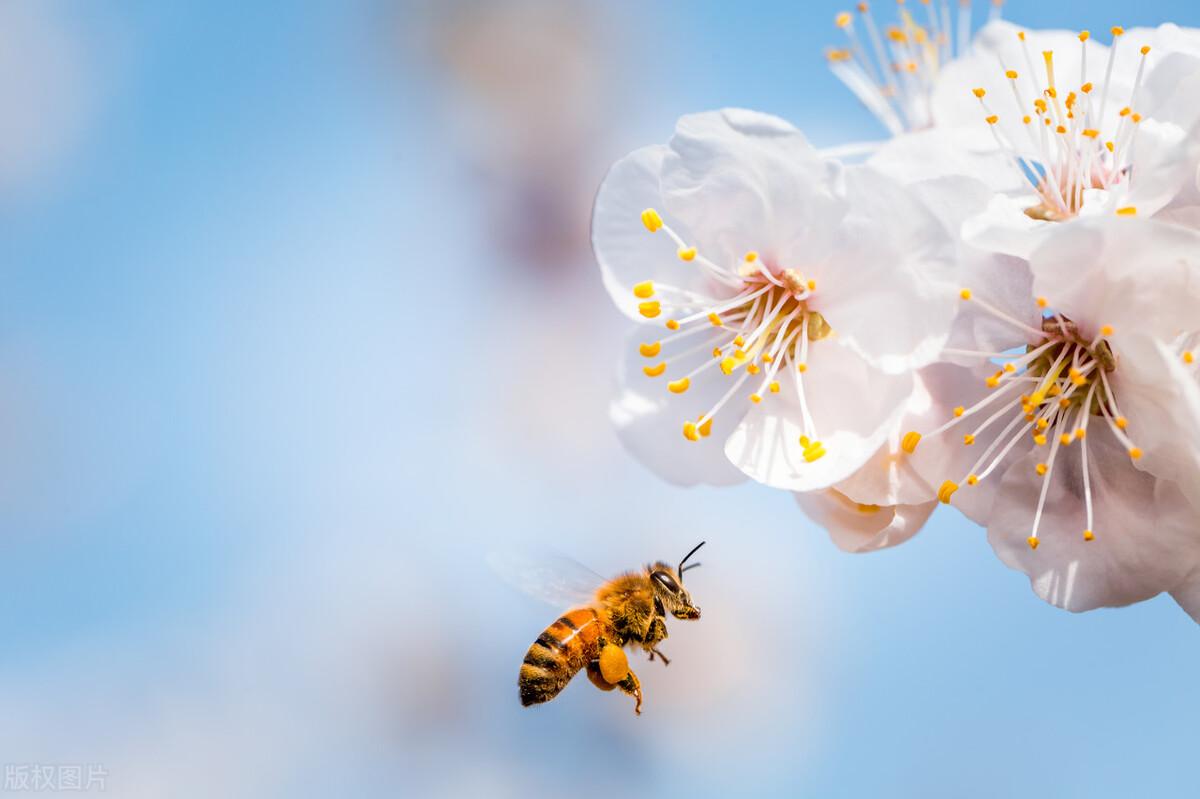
(552, 578)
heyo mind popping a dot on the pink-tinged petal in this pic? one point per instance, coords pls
(1187, 594)
(856, 528)
(1125, 272)
(852, 404)
(1144, 541)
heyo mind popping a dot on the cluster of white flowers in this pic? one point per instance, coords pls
(998, 310)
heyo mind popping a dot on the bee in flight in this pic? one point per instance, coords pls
(628, 610)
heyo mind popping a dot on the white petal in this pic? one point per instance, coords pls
(1005, 228)
(649, 421)
(627, 252)
(1145, 539)
(962, 152)
(1130, 273)
(860, 528)
(853, 406)
(745, 181)
(886, 291)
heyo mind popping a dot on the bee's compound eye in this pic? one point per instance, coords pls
(667, 581)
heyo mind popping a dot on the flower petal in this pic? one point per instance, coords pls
(742, 181)
(1145, 537)
(1133, 274)
(856, 528)
(627, 252)
(649, 421)
(852, 404)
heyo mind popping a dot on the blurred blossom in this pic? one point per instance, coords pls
(525, 87)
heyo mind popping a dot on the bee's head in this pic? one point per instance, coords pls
(669, 590)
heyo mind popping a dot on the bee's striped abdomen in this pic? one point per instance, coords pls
(553, 659)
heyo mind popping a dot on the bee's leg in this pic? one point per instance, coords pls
(614, 669)
(593, 673)
(656, 633)
(632, 686)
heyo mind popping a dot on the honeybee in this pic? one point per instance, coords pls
(628, 610)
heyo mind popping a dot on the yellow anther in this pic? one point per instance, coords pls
(1026, 119)
(679, 386)
(804, 441)
(1040, 105)
(834, 54)
(1021, 35)
(1084, 35)
(1052, 93)
(1118, 30)
(728, 365)
(650, 350)
(979, 93)
(756, 398)
(813, 451)
(946, 491)
(1061, 129)
(1106, 330)
(863, 8)
(1088, 535)
(1086, 88)
(706, 428)
(649, 309)
(1136, 118)
(1188, 358)
(802, 367)
(1146, 50)
(1065, 402)
(1065, 439)
(738, 341)
(716, 352)
(1037, 398)
(1135, 453)
(1033, 542)
(867, 509)
(751, 257)
(1080, 433)
(968, 439)
(1109, 146)
(959, 411)
(767, 357)
(1055, 390)
(843, 19)
(651, 220)
(1011, 74)
(1128, 210)
(672, 324)
(687, 253)
(644, 290)
(1039, 439)
(1126, 111)
(1008, 367)
(992, 381)
(812, 285)
(656, 370)
(752, 368)
(965, 294)
(993, 119)
(774, 386)
(972, 479)
(1042, 424)
(1091, 133)
(910, 440)
(716, 320)
(690, 432)
(1121, 422)
(1040, 469)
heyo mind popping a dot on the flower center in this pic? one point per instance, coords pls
(753, 337)
(1072, 151)
(1050, 391)
(895, 82)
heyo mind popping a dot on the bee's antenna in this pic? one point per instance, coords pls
(681, 570)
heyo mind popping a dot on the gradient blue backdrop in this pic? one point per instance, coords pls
(271, 387)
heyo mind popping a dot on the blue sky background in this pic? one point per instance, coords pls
(273, 381)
